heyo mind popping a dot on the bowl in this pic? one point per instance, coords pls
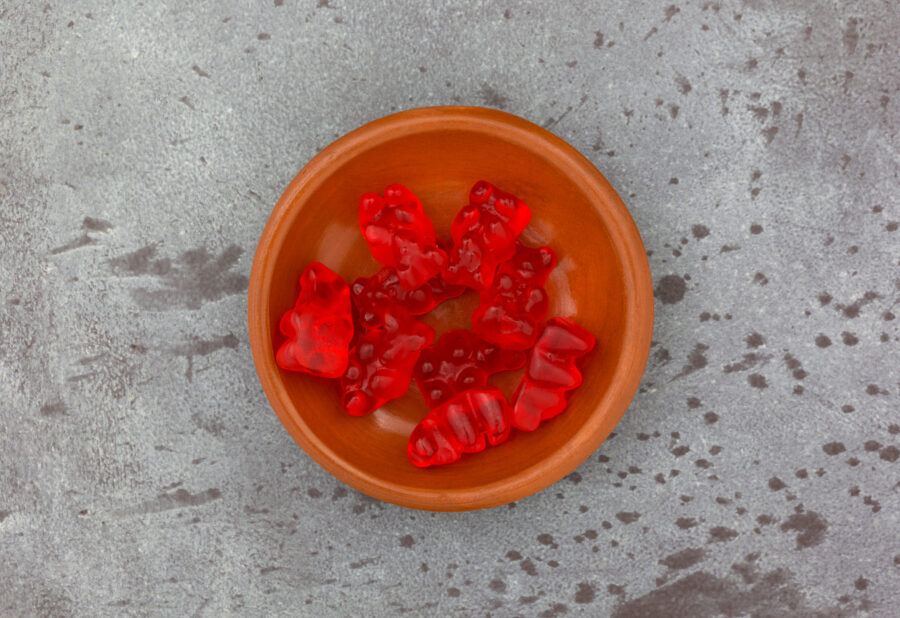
(602, 281)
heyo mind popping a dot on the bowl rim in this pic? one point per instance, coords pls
(638, 323)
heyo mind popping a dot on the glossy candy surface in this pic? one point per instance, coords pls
(467, 423)
(458, 361)
(381, 363)
(400, 234)
(319, 327)
(513, 306)
(484, 235)
(550, 373)
(375, 296)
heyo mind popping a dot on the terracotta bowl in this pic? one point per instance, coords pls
(602, 281)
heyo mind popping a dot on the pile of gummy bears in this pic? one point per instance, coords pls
(375, 346)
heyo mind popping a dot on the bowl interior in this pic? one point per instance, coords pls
(439, 163)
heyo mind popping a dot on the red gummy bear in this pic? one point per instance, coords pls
(512, 308)
(375, 296)
(460, 360)
(550, 372)
(381, 363)
(400, 234)
(484, 234)
(320, 326)
(465, 424)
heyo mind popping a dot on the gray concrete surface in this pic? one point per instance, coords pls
(142, 147)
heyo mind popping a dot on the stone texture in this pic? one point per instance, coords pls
(141, 150)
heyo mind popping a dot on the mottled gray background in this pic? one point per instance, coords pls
(142, 148)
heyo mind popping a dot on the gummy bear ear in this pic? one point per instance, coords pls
(398, 195)
(314, 279)
(369, 205)
(481, 192)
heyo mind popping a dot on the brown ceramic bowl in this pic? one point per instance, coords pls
(602, 281)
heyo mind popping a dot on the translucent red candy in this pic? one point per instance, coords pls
(484, 235)
(381, 363)
(399, 234)
(320, 326)
(550, 372)
(458, 361)
(467, 423)
(417, 274)
(512, 308)
(375, 296)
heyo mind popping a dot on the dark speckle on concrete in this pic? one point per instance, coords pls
(684, 559)
(627, 517)
(722, 534)
(492, 97)
(679, 451)
(585, 593)
(699, 231)
(754, 340)
(757, 380)
(56, 408)
(851, 35)
(810, 528)
(890, 453)
(696, 361)
(849, 338)
(670, 289)
(528, 567)
(874, 389)
(92, 224)
(546, 539)
(834, 448)
(872, 445)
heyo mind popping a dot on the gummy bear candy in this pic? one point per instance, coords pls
(484, 234)
(467, 423)
(381, 363)
(550, 372)
(460, 360)
(400, 234)
(319, 327)
(375, 296)
(512, 308)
